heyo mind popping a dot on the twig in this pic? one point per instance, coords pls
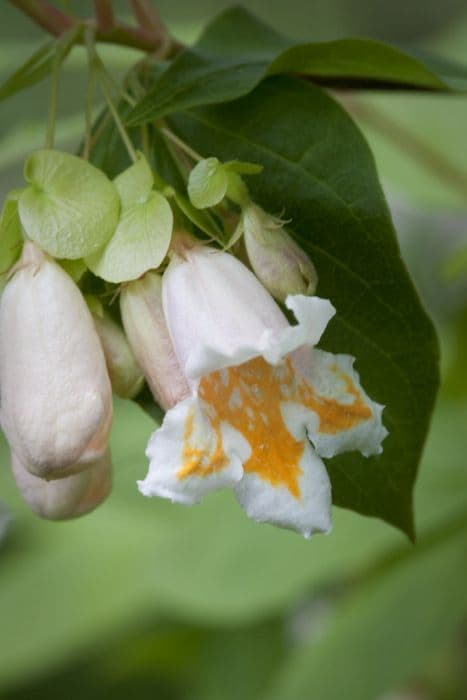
(104, 15)
(57, 22)
(45, 15)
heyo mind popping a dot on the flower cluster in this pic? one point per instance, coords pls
(251, 404)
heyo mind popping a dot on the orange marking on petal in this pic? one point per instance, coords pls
(201, 462)
(249, 398)
(256, 414)
(334, 417)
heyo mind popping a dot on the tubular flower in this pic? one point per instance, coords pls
(70, 497)
(264, 404)
(279, 263)
(148, 335)
(56, 399)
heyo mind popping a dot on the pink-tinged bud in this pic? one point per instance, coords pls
(278, 262)
(70, 497)
(56, 398)
(148, 335)
(125, 374)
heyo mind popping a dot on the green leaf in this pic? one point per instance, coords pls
(143, 234)
(207, 183)
(237, 51)
(382, 634)
(135, 183)
(243, 168)
(319, 172)
(70, 208)
(40, 64)
(140, 242)
(11, 236)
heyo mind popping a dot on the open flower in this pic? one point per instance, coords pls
(265, 405)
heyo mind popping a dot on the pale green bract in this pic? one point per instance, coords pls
(208, 183)
(70, 208)
(11, 236)
(143, 233)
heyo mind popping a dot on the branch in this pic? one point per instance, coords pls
(45, 15)
(148, 38)
(104, 15)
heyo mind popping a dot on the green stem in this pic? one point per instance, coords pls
(53, 102)
(95, 64)
(89, 100)
(118, 122)
(181, 144)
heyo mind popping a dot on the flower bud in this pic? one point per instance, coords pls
(56, 398)
(278, 262)
(148, 335)
(125, 374)
(70, 497)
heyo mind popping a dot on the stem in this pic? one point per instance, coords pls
(53, 102)
(118, 122)
(89, 102)
(104, 15)
(45, 15)
(95, 64)
(147, 16)
(181, 144)
(145, 38)
(428, 157)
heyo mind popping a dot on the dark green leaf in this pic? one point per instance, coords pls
(383, 633)
(237, 51)
(320, 174)
(39, 65)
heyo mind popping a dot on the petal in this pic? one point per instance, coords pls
(216, 310)
(284, 481)
(307, 513)
(339, 415)
(193, 453)
(313, 315)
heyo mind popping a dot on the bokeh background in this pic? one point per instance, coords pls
(148, 600)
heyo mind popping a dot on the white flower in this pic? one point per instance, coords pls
(56, 399)
(260, 394)
(148, 335)
(70, 497)
(278, 262)
(125, 374)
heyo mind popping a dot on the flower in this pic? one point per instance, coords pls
(70, 497)
(56, 399)
(125, 374)
(264, 404)
(278, 262)
(148, 335)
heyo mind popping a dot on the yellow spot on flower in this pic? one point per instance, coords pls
(259, 390)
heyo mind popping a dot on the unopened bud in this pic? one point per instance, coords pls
(56, 398)
(70, 497)
(146, 329)
(278, 262)
(125, 374)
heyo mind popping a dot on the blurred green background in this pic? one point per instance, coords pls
(145, 599)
